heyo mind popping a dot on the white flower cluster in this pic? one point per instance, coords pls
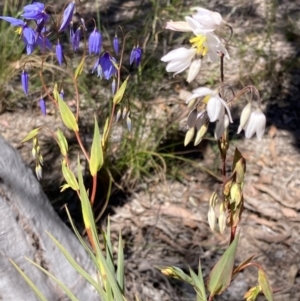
(206, 43)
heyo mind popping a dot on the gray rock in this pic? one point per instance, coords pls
(25, 215)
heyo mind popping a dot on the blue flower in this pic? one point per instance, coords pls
(35, 11)
(27, 33)
(95, 42)
(136, 55)
(67, 17)
(106, 66)
(75, 39)
(116, 44)
(44, 43)
(59, 53)
(62, 94)
(43, 106)
(25, 82)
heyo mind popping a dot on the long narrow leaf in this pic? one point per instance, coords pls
(102, 265)
(58, 282)
(30, 283)
(75, 265)
(120, 269)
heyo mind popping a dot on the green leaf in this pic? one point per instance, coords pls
(198, 280)
(67, 116)
(69, 177)
(96, 160)
(64, 187)
(265, 285)
(62, 142)
(221, 275)
(120, 93)
(30, 283)
(104, 132)
(80, 68)
(58, 282)
(31, 135)
(89, 221)
(198, 285)
(76, 266)
(85, 203)
(176, 273)
(120, 269)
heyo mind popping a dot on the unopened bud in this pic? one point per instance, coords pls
(211, 218)
(244, 116)
(201, 133)
(189, 136)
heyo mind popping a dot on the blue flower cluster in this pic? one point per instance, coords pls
(34, 32)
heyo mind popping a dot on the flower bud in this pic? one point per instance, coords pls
(67, 16)
(211, 215)
(43, 106)
(59, 53)
(244, 116)
(24, 80)
(189, 136)
(116, 44)
(200, 134)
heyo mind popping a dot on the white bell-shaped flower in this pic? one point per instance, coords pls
(255, 124)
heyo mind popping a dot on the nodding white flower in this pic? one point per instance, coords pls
(255, 124)
(215, 104)
(207, 18)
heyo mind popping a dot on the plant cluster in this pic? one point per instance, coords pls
(38, 26)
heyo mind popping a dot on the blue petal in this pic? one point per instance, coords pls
(67, 17)
(29, 35)
(13, 21)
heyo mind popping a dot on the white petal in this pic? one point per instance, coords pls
(202, 91)
(244, 116)
(177, 66)
(196, 27)
(178, 26)
(179, 53)
(194, 70)
(220, 128)
(226, 107)
(250, 126)
(260, 124)
(207, 17)
(214, 109)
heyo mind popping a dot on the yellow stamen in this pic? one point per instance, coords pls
(206, 99)
(199, 42)
(19, 30)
